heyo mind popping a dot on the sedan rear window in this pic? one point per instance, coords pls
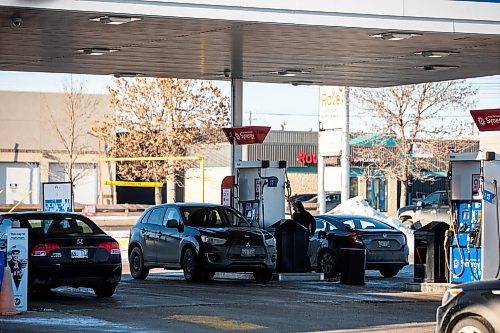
(67, 225)
(364, 223)
(357, 223)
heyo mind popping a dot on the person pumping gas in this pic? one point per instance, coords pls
(304, 218)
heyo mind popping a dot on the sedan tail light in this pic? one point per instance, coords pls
(110, 247)
(44, 250)
(353, 238)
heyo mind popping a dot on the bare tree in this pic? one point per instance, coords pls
(162, 118)
(415, 118)
(72, 125)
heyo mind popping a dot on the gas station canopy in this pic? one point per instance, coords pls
(357, 43)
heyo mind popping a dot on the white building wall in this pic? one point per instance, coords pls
(213, 180)
(489, 142)
(17, 180)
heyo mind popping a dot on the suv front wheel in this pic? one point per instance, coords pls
(191, 266)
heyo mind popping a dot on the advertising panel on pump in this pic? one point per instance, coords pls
(17, 261)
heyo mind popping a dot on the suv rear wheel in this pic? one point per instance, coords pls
(136, 261)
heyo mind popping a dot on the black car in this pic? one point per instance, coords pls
(470, 307)
(67, 249)
(386, 247)
(201, 239)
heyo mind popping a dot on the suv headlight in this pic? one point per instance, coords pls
(450, 294)
(270, 240)
(213, 240)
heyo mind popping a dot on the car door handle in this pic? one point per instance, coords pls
(161, 234)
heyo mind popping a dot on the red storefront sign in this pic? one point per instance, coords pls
(307, 158)
(486, 120)
(247, 134)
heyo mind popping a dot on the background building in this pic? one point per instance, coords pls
(31, 151)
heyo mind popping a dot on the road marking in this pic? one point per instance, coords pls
(217, 322)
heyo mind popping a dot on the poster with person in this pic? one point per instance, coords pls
(17, 261)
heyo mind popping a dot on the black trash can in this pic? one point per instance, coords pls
(291, 243)
(352, 266)
(429, 254)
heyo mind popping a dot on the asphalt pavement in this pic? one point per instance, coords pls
(164, 302)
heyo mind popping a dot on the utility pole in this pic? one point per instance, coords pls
(346, 151)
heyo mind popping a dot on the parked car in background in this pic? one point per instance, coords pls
(201, 239)
(470, 307)
(332, 200)
(67, 249)
(302, 197)
(434, 207)
(386, 247)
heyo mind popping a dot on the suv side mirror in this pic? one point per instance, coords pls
(173, 224)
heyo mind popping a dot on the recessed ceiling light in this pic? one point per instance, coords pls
(303, 83)
(96, 51)
(128, 74)
(436, 67)
(435, 54)
(115, 20)
(290, 72)
(394, 36)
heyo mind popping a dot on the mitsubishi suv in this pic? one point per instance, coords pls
(201, 239)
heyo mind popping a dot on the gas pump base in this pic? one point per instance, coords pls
(428, 287)
(282, 277)
(300, 276)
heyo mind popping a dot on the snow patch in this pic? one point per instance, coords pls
(71, 321)
(360, 206)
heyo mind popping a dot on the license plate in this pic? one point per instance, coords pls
(248, 252)
(79, 254)
(384, 244)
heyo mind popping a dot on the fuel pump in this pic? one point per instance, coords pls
(260, 191)
(474, 235)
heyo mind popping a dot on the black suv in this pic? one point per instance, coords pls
(201, 239)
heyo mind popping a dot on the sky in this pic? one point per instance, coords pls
(276, 105)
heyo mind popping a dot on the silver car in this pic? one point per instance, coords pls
(433, 208)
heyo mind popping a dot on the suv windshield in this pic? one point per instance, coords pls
(432, 199)
(215, 217)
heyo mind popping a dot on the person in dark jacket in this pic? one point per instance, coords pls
(304, 218)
